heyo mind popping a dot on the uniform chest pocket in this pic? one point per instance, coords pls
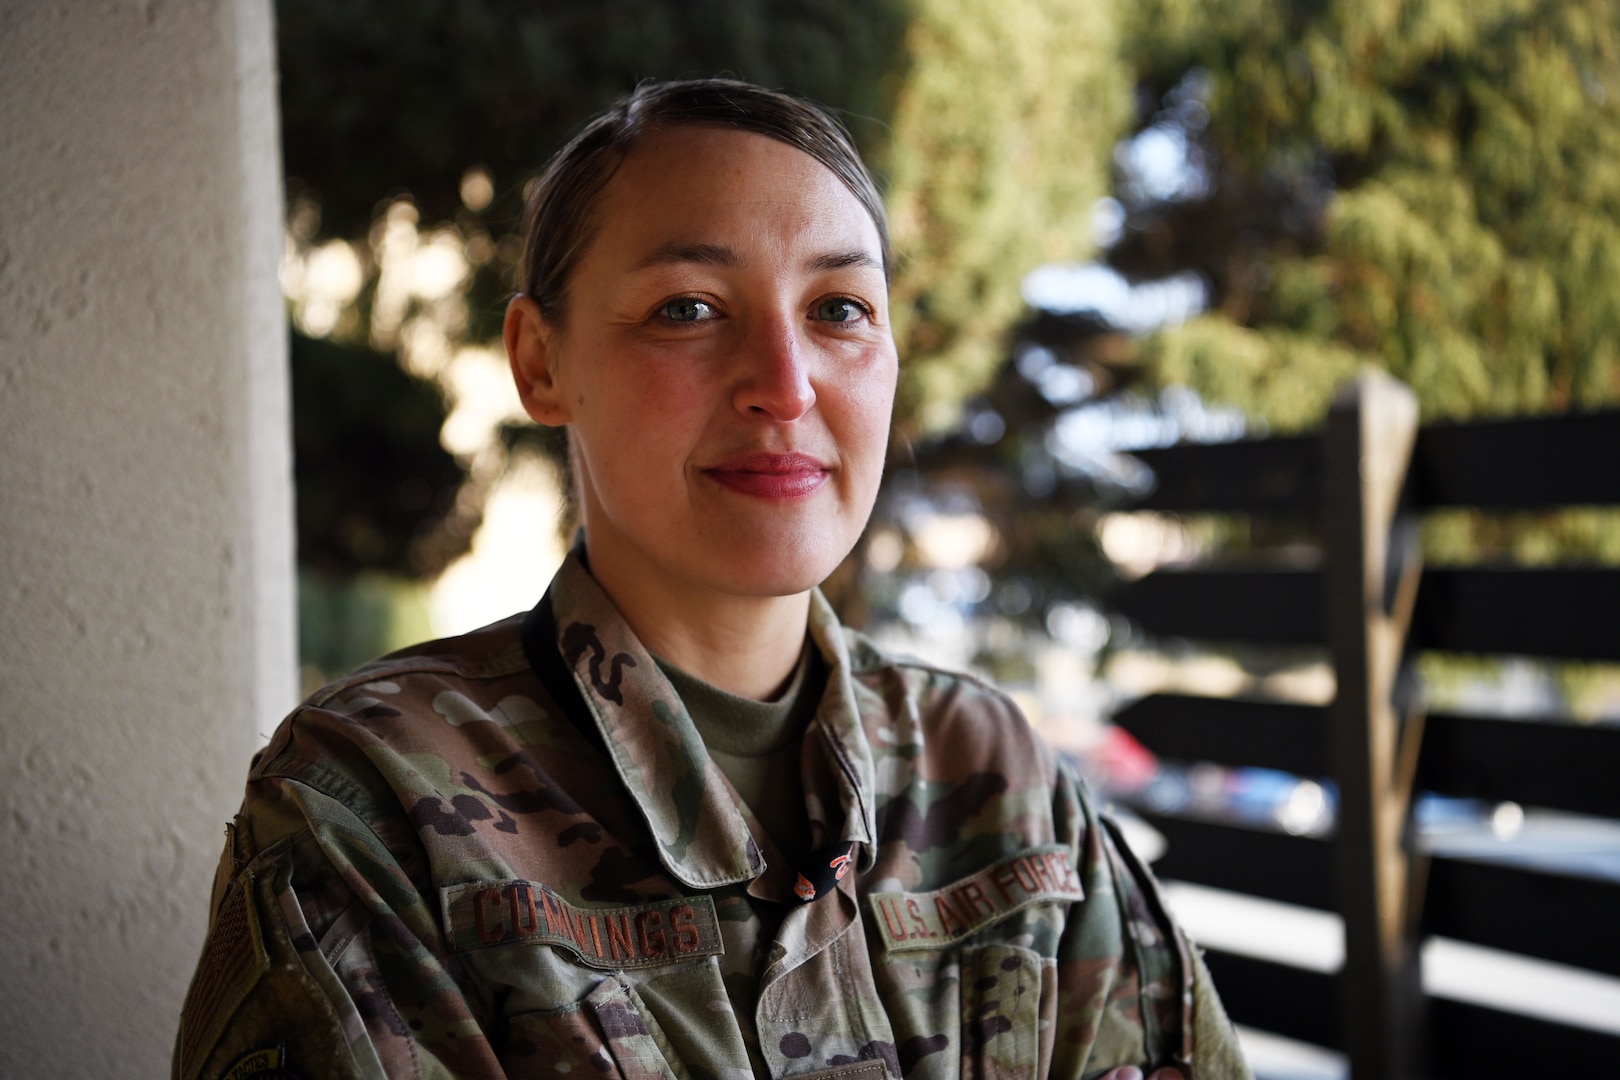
(971, 1010)
(1008, 1012)
(608, 1034)
(596, 992)
(969, 971)
(650, 1025)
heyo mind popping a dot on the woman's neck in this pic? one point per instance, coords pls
(745, 645)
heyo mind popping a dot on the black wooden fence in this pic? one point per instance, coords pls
(1364, 480)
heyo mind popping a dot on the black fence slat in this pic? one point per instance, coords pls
(1565, 918)
(1564, 613)
(1468, 1042)
(1547, 763)
(1528, 463)
(1266, 606)
(1554, 612)
(1465, 1041)
(1260, 862)
(1229, 731)
(1279, 998)
(1560, 613)
(1280, 476)
(1553, 764)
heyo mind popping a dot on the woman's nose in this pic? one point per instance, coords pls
(774, 380)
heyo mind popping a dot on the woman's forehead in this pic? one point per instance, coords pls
(693, 185)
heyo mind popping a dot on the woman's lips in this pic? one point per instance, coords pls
(770, 476)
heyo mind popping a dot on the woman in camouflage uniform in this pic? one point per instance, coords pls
(676, 821)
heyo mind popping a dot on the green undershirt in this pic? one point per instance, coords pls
(756, 743)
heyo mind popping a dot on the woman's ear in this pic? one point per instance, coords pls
(531, 348)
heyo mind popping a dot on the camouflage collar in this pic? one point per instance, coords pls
(702, 836)
(840, 721)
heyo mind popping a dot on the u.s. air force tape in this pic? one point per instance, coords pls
(487, 914)
(929, 920)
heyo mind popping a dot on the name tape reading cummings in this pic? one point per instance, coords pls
(486, 914)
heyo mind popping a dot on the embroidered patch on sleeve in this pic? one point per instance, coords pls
(266, 1064)
(232, 962)
(484, 915)
(930, 920)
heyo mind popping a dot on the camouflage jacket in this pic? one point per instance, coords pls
(509, 855)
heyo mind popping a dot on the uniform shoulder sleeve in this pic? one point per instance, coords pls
(326, 956)
(1133, 990)
(261, 1003)
(1216, 1054)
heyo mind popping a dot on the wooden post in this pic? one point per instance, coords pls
(1371, 564)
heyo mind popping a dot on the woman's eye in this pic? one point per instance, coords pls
(839, 309)
(687, 309)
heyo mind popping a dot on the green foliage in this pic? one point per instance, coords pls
(1457, 167)
(343, 621)
(1284, 376)
(380, 99)
(375, 490)
(1003, 127)
(1584, 535)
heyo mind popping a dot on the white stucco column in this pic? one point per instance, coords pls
(146, 587)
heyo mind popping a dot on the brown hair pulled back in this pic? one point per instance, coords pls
(559, 217)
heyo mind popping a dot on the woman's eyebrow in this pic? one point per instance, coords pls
(681, 251)
(842, 260)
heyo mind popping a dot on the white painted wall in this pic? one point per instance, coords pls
(146, 588)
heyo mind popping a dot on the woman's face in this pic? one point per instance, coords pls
(726, 366)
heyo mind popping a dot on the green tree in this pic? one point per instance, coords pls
(1432, 187)
(384, 98)
(1003, 126)
(378, 506)
(343, 443)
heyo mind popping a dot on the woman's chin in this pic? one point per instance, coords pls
(784, 557)
(770, 578)
(756, 557)
(777, 567)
